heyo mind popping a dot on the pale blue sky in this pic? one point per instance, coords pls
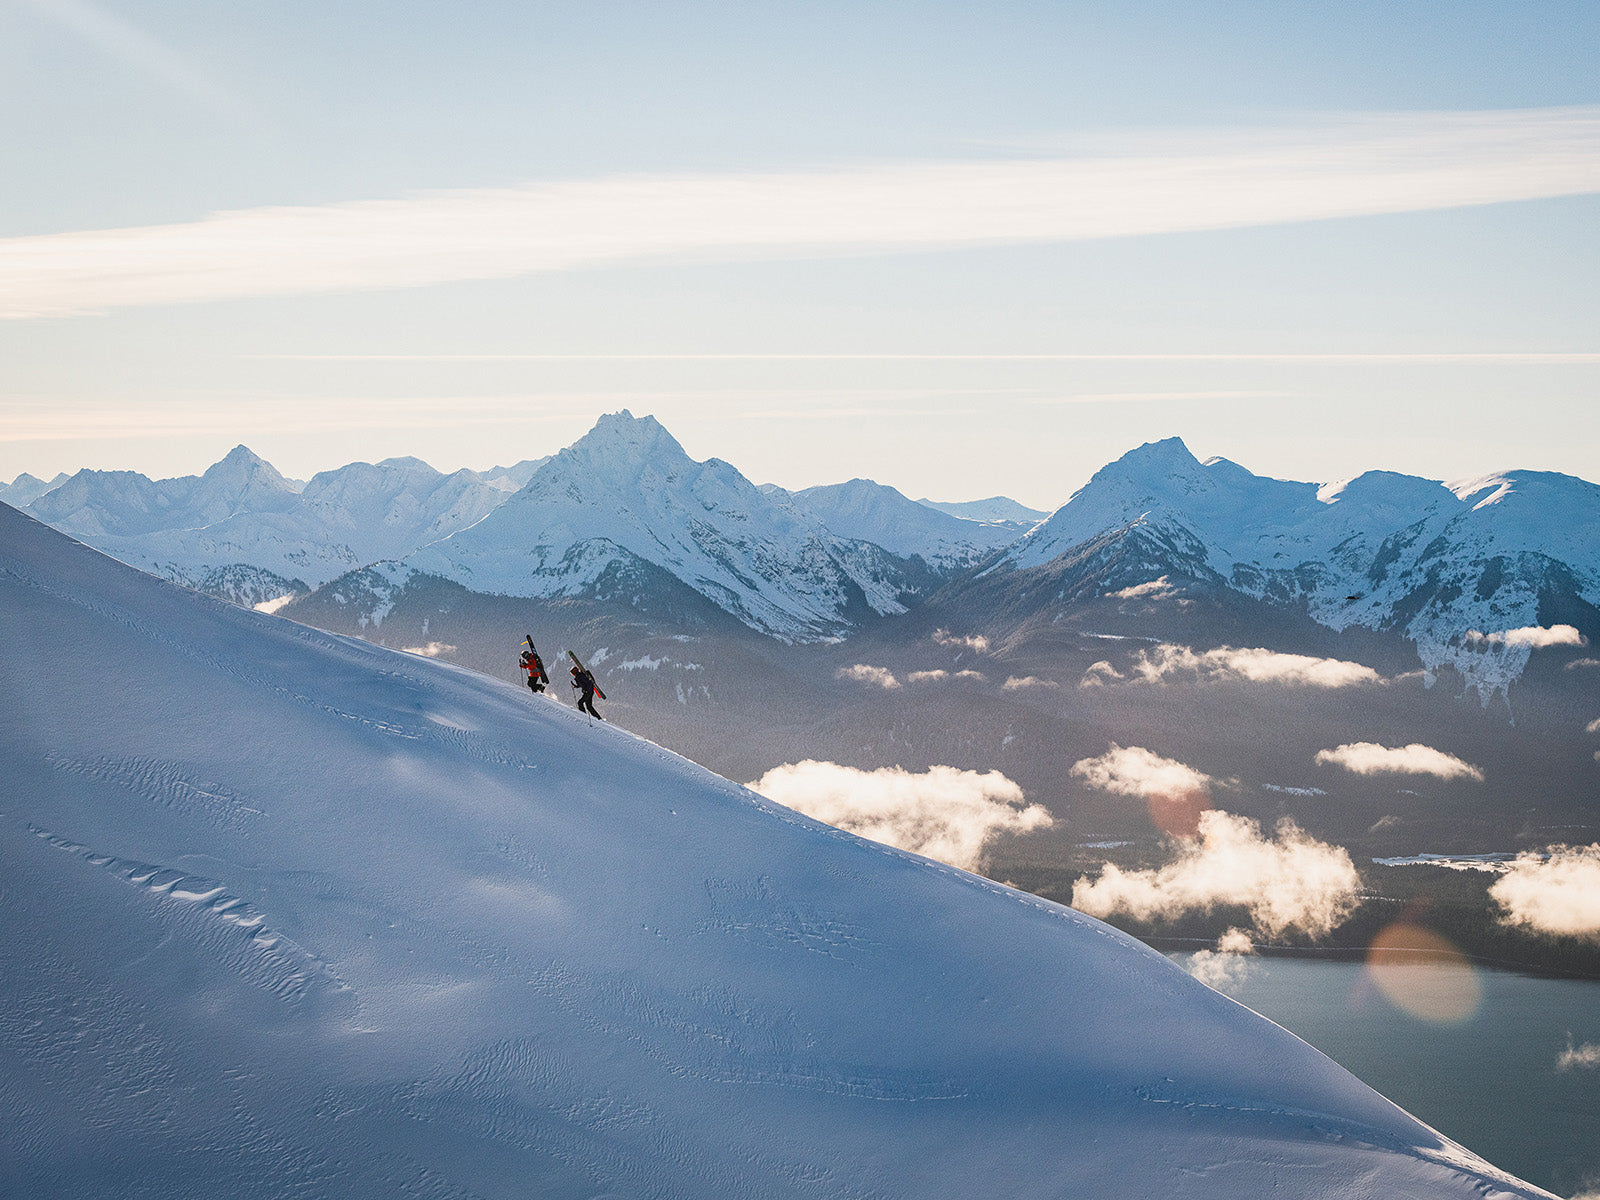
(816, 239)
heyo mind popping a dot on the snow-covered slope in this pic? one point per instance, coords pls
(314, 918)
(1384, 550)
(862, 510)
(626, 492)
(243, 531)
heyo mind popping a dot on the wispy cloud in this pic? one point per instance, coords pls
(118, 40)
(976, 642)
(1585, 1057)
(1251, 664)
(1154, 589)
(1389, 164)
(1557, 892)
(1229, 965)
(943, 813)
(1016, 683)
(1370, 758)
(864, 673)
(1286, 881)
(1533, 636)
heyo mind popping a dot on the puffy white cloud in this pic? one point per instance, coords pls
(1014, 683)
(1135, 771)
(1288, 881)
(1593, 726)
(1583, 1057)
(1156, 589)
(1557, 892)
(1580, 663)
(1533, 636)
(1370, 758)
(1229, 965)
(943, 813)
(862, 673)
(1252, 664)
(975, 642)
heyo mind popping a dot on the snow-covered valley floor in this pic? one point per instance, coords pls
(285, 914)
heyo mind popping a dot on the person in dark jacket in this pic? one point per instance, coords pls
(584, 683)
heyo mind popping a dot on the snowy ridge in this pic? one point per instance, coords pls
(627, 490)
(555, 960)
(1385, 551)
(862, 510)
(243, 532)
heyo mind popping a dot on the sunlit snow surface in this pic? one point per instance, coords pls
(288, 915)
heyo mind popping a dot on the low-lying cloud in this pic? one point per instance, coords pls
(1370, 758)
(940, 675)
(1229, 965)
(1533, 636)
(863, 673)
(942, 813)
(1579, 1058)
(1289, 881)
(1135, 771)
(1015, 683)
(1250, 664)
(976, 642)
(1155, 589)
(1556, 893)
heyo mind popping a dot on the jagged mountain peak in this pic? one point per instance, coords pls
(621, 434)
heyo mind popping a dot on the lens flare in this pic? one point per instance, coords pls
(1424, 974)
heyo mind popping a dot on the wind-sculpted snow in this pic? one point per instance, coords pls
(288, 914)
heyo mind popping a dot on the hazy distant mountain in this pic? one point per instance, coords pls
(244, 532)
(25, 489)
(865, 511)
(994, 510)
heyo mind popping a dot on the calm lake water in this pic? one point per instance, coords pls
(1482, 1056)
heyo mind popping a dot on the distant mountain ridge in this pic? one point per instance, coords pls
(1434, 563)
(244, 532)
(1466, 572)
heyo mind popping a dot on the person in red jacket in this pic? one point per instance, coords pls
(534, 666)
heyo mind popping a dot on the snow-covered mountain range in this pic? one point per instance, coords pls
(244, 532)
(1453, 568)
(1475, 574)
(313, 917)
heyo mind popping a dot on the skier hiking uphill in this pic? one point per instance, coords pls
(534, 666)
(584, 682)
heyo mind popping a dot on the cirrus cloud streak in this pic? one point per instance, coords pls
(1391, 163)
